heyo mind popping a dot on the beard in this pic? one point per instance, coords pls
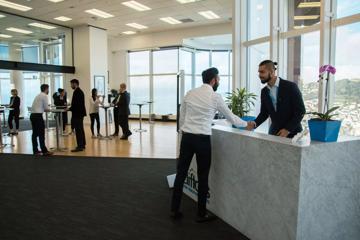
(266, 80)
(215, 87)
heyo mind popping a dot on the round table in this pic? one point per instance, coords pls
(140, 129)
(106, 137)
(58, 116)
(4, 106)
(61, 118)
(2, 144)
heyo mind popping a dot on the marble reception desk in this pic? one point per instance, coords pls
(271, 189)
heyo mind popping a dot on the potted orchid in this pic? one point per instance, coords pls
(322, 127)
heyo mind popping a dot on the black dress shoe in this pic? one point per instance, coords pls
(124, 137)
(114, 134)
(48, 154)
(176, 215)
(77, 150)
(208, 217)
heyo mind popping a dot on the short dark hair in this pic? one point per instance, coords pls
(44, 87)
(60, 90)
(75, 81)
(209, 74)
(269, 64)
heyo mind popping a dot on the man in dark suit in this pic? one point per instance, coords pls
(115, 103)
(281, 100)
(124, 111)
(78, 113)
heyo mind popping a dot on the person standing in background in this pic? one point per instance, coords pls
(60, 102)
(124, 111)
(94, 112)
(39, 106)
(116, 114)
(14, 113)
(78, 113)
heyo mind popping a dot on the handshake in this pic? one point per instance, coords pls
(251, 125)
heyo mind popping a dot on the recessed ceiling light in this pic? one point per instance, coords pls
(136, 25)
(41, 25)
(259, 7)
(129, 32)
(307, 17)
(170, 20)
(14, 6)
(299, 27)
(63, 18)
(309, 4)
(5, 36)
(55, 1)
(2, 16)
(209, 14)
(137, 6)
(18, 30)
(99, 13)
(187, 1)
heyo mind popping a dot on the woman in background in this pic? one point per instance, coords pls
(61, 103)
(14, 113)
(94, 112)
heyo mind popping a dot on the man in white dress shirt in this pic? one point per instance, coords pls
(39, 106)
(196, 114)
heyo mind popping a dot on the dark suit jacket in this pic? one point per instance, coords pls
(78, 104)
(15, 104)
(58, 101)
(290, 109)
(123, 104)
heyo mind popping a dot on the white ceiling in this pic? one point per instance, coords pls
(47, 11)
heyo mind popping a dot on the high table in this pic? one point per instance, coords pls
(61, 118)
(140, 118)
(270, 188)
(4, 106)
(58, 116)
(106, 137)
(150, 104)
(2, 145)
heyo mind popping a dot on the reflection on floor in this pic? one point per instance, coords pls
(159, 141)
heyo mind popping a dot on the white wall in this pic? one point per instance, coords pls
(118, 46)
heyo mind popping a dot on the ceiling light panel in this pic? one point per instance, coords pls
(41, 25)
(306, 17)
(129, 32)
(55, 1)
(136, 25)
(18, 30)
(15, 6)
(170, 20)
(309, 4)
(5, 36)
(63, 18)
(187, 1)
(209, 14)
(99, 13)
(137, 6)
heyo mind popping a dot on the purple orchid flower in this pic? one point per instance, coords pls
(327, 68)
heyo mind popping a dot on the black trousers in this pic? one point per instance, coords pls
(13, 115)
(38, 126)
(200, 145)
(95, 117)
(79, 131)
(116, 120)
(124, 124)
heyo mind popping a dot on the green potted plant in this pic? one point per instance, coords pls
(323, 128)
(241, 102)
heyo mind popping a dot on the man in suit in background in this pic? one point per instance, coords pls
(124, 111)
(78, 113)
(281, 100)
(115, 103)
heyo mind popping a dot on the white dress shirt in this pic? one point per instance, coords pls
(40, 103)
(274, 92)
(198, 109)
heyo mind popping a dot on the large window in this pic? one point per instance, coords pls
(30, 54)
(259, 14)
(347, 84)
(5, 87)
(202, 62)
(301, 45)
(32, 83)
(221, 60)
(186, 64)
(4, 52)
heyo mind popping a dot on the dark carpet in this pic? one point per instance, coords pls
(94, 198)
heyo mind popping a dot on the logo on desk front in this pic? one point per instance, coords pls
(192, 184)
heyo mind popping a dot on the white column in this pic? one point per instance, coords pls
(16, 77)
